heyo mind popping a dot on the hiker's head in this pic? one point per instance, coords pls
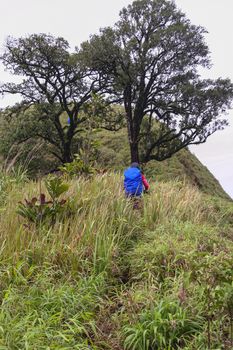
(135, 165)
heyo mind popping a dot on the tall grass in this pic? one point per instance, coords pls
(83, 281)
(101, 219)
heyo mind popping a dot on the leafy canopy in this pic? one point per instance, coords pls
(152, 56)
(55, 82)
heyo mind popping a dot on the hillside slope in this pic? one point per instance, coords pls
(105, 276)
(183, 166)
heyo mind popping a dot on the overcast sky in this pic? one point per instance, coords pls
(75, 20)
(216, 17)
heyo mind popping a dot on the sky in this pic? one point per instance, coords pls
(216, 17)
(76, 20)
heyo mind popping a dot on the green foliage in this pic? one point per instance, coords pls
(114, 150)
(150, 39)
(163, 327)
(38, 210)
(110, 276)
(49, 61)
(162, 117)
(21, 143)
(102, 115)
(118, 273)
(49, 314)
(56, 187)
(77, 167)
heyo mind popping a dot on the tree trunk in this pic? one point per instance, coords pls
(67, 152)
(133, 125)
(134, 152)
(67, 156)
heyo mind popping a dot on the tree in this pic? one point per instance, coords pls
(55, 84)
(152, 56)
(21, 141)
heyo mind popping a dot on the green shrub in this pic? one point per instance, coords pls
(39, 209)
(77, 167)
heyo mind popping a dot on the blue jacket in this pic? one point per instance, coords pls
(133, 182)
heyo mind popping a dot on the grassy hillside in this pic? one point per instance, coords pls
(112, 151)
(182, 166)
(105, 276)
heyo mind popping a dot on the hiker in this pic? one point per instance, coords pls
(135, 182)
